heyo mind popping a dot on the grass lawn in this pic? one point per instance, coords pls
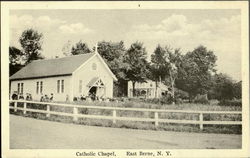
(230, 129)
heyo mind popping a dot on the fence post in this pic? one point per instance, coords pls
(15, 106)
(48, 111)
(114, 116)
(24, 107)
(201, 120)
(75, 112)
(156, 119)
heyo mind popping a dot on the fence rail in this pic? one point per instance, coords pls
(114, 116)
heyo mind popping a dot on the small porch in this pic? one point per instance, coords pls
(96, 88)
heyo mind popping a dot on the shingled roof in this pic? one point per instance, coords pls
(51, 67)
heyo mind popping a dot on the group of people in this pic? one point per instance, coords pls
(90, 97)
(16, 96)
(28, 96)
(46, 98)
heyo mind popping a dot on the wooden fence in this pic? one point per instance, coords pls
(114, 117)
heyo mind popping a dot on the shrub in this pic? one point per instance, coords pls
(153, 100)
(180, 94)
(161, 101)
(234, 102)
(179, 101)
(83, 110)
(202, 99)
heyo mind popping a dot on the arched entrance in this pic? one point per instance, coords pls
(92, 92)
(96, 88)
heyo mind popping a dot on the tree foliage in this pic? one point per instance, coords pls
(136, 57)
(224, 88)
(66, 49)
(80, 48)
(164, 66)
(15, 60)
(31, 42)
(172, 68)
(238, 90)
(113, 54)
(15, 56)
(196, 71)
(158, 63)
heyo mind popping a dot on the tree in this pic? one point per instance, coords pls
(31, 42)
(136, 58)
(158, 64)
(15, 60)
(67, 48)
(172, 67)
(80, 48)
(223, 87)
(196, 71)
(165, 63)
(113, 54)
(238, 90)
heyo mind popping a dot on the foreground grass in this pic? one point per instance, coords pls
(184, 106)
(229, 129)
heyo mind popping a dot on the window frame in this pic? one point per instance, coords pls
(18, 88)
(41, 87)
(62, 86)
(37, 87)
(58, 86)
(22, 88)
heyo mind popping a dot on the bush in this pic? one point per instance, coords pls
(153, 101)
(161, 101)
(202, 99)
(179, 101)
(235, 102)
(180, 94)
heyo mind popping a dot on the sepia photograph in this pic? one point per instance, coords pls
(140, 80)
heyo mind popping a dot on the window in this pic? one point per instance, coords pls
(18, 88)
(58, 86)
(41, 87)
(94, 66)
(80, 86)
(37, 87)
(62, 84)
(22, 88)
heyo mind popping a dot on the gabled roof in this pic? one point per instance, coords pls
(96, 81)
(52, 67)
(104, 64)
(93, 81)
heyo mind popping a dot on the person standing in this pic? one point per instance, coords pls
(42, 98)
(51, 97)
(14, 96)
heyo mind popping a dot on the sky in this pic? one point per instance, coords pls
(218, 30)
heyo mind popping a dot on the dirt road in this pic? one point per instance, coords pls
(29, 133)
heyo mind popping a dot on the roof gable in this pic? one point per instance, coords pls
(104, 64)
(52, 67)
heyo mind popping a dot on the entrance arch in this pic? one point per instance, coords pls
(97, 88)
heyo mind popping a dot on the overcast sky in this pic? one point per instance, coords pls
(218, 30)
